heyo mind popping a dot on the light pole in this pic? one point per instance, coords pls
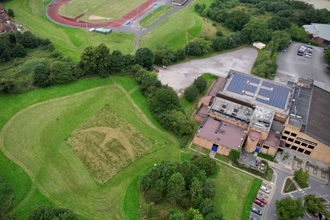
(86, 19)
(137, 11)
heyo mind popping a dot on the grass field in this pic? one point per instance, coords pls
(289, 186)
(232, 191)
(62, 177)
(104, 8)
(70, 41)
(154, 16)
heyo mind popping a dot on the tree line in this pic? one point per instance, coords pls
(184, 184)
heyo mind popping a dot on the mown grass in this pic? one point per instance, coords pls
(223, 158)
(151, 18)
(104, 8)
(234, 188)
(289, 186)
(70, 41)
(253, 190)
(132, 200)
(126, 82)
(176, 30)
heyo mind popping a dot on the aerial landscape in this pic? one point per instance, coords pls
(164, 109)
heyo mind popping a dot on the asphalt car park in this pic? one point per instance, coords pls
(292, 66)
(262, 195)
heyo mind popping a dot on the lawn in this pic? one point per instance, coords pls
(232, 191)
(289, 186)
(104, 8)
(60, 175)
(154, 16)
(70, 41)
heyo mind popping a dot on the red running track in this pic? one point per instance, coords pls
(52, 12)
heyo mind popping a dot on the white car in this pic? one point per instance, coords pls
(308, 55)
(264, 188)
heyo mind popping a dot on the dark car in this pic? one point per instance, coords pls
(257, 211)
(259, 203)
(262, 199)
(253, 218)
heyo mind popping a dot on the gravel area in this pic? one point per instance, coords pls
(182, 75)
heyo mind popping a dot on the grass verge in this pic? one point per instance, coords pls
(154, 16)
(132, 200)
(289, 186)
(254, 188)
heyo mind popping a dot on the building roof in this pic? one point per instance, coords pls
(318, 125)
(1, 7)
(202, 111)
(262, 118)
(216, 86)
(273, 139)
(318, 30)
(222, 133)
(253, 91)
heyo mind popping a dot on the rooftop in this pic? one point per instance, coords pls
(216, 86)
(202, 111)
(273, 139)
(300, 104)
(318, 30)
(318, 125)
(254, 91)
(222, 133)
(231, 110)
(262, 118)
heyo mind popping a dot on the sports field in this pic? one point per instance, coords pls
(112, 9)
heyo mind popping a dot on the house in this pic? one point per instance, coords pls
(178, 2)
(264, 116)
(318, 32)
(4, 25)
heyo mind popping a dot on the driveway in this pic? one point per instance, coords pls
(291, 66)
(182, 75)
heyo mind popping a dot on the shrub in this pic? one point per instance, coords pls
(190, 93)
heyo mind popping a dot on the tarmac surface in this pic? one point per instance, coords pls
(182, 75)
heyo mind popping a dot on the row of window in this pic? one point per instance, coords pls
(298, 142)
(301, 150)
(291, 134)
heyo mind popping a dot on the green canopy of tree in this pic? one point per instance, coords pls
(301, 176)
(288, 209)
(165, 99)
(191, 93)
(237, 19)
(10, 12)
(6, 195)
(205, 163)
(313, 203)
(41, 75)
(278, 23)
(256, 30)
(144, 57)
(164, 54)
(51, 213)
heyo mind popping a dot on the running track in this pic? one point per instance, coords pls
(52, 12)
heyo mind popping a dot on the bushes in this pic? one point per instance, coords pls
(198, 86)
(301, 177)
(266, 156)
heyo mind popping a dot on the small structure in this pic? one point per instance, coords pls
(103, 30)
(318, 32)
(178, 2)
(5, 25)
(259, 45)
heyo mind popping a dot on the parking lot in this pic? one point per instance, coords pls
(266, 196)
(292, 66)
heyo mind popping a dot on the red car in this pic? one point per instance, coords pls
(262, 199)
(259, 203)
(156, 70)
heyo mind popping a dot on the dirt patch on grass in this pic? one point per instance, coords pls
(95, 18)
(106, 143)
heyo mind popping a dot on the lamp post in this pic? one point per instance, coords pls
(137, 11)
(86, 19)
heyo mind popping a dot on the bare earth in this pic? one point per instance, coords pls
(95, 17)
(182, 75)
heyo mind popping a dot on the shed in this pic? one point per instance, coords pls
(103, 30)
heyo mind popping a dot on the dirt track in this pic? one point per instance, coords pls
(182, 75)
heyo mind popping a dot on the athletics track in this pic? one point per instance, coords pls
(52, 13)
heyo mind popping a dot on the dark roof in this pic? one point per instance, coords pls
(216, 86)
(318, 125)
(202, 111)
(2, 19)
(1, 7)
(300, 103)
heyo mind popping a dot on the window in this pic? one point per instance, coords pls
(304, 144)
(266, 147)
(307, 152)
(286, 132)
(310, 147)
(284, 137)
(288, 145)
(293, 135)
(290, 139)
(294, 148)
(297, 142)
(301, 150)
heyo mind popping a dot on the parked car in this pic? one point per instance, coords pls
(253, 166)
(308, 55)
(264, 188)
(257, 211)
(253, 218)
(259, 203)
(316, 214)
(164, 67)
(262, 199)
(156, 70)
(310, 48)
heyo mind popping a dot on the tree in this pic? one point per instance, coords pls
(176, 121)
(297, 33)
(51, 213)
(180, 54)
(164, 55)
(209, 188)
(313, 203)
(200, 84)
(163, 100)
(278, 23)
(288, 209)
(190, 93)
(176, 215)
(281, 39)
(6, 195)
(10, 12)
(194, 214)
(175, 186)
(213, 216)
(28, 40)
(205, 163)
(301, 176)
(88, 61)
(103, 60)
(144, 57)
(41, 75)
(255, 30)
(61, 73)
(219, 43)
(193, 49)
(237, 19)
(117, 61)
(206, 206)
